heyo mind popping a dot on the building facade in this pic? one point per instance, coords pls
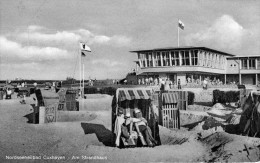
(245, 70)
(196, 64)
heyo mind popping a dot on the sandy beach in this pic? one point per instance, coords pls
(87, 139)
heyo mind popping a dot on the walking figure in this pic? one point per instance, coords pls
(179, 84)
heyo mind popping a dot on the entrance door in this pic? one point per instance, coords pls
(172, 77)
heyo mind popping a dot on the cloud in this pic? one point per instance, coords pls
(10, 49)
(60, 38)
(35, 28)
(42, 36)
(116, 40)
(107, 62)
(225, 33)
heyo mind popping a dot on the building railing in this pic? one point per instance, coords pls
(216, 68)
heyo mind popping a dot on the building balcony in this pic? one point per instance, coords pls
(180, 69)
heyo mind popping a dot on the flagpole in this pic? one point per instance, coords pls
(80, 71)
(178, 33)
(83, 79)
(83, 85)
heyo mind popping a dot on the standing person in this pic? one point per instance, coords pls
(205, 84)
(146, 81)
(22, 84)
(151, 80)
(171, 84)
(155, 81)
(179, 84)
(160, 81)
(162, 85)
(35, 84)
(8, 93)
(167, 85)
(143, 82)
(139, 81)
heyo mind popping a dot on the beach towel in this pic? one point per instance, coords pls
(119, 121)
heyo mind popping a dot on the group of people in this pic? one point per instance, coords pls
(215, 81)
(164, 84)
(132, 129)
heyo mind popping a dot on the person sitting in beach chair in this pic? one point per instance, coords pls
(128, 131)
(143, 130)
(124, 130)
(118, 123)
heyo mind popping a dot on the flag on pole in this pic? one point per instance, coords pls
(84, 48)
(181, 25)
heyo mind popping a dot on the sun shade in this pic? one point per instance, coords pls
(126, 94)
(168, 98)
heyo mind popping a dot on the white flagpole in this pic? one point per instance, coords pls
(83, 86)
(178, 33)
(83, 79)
(80, 71)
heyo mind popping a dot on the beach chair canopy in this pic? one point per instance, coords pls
(169, 98)
(123, 94)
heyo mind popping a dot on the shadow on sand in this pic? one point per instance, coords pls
(211, 123)
(192, 125)
(209, 104)
(34, 116)
(103, 134)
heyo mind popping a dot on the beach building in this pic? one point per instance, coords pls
(194, 64)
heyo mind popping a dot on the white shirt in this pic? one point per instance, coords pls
(9, 92)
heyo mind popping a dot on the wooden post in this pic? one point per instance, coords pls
(42, 115)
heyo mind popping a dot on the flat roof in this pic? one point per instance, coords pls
(182, 48)
(240, 56)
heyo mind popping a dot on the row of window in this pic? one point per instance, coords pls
(250, 63)
(181, 58)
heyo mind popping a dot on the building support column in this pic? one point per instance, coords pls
(180, 58)
(161, 59)
(190, 57)
(153, 56)
(200, 79)
(256, 79)
(170, 57)
(145, 59)
(240, 78)
(256, 64)
(247, 63)
(225, 79)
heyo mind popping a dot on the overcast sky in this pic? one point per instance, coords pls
(39, 38)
